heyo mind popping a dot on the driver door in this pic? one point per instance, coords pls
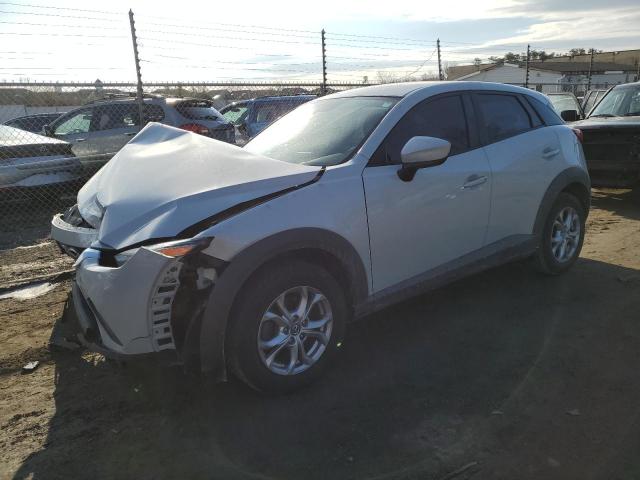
(439, 215)
(75, 128)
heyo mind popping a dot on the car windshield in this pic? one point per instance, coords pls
(563, 102)
(322, 132)
(620, 102)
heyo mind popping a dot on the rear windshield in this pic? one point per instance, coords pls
(198, 110)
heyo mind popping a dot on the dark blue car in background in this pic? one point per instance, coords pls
(250, 117)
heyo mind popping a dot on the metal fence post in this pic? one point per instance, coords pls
(136, 58)
(323, 89)
(590, 70)
(440, 76)
(526, 76)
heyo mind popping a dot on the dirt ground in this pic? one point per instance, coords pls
(504, 375)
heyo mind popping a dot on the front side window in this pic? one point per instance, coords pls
(119, 115)
(322, 132)
(441, 118)
(503, 116)
(79, 122)
(619, 102)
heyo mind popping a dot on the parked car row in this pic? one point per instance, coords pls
(251, 261)
(96, 131)
(611, 131)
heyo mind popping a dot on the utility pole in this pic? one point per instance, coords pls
(440, 76)
(526, 76)
(323, 89)
(136, 58)
(590, 70)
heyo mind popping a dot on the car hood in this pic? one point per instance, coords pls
(608, 122)
(166, 179)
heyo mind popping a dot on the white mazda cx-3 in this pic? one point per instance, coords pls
(252, 260)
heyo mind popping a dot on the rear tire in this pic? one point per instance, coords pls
(277, 340)
(562, 236)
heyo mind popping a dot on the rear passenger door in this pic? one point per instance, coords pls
(524, 156)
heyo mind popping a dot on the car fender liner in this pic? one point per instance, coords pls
(565, 178)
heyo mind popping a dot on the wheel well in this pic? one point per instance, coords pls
(317, 256)
(581, 192)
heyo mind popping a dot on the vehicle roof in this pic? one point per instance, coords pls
(282, 98)
(406, 88)
(627, 85)
(34, 115)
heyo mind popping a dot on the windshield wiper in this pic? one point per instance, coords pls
(602, 115)
(632, 114)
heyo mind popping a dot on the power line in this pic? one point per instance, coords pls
(101, 27)
(199, 35)
(235, 25)
(208, 28)
(62, 35)
(83, 17)
(58, 8)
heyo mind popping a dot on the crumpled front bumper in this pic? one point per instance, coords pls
(126, 311)
(72, 239)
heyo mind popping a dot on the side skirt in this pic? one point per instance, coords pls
(498, 253)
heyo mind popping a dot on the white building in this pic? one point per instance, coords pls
(542, 80)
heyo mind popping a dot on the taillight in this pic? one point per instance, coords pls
(578, 133)
(196, 128)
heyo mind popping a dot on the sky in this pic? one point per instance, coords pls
(254, 40)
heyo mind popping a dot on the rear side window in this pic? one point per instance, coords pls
(198, 110)
(548, 114)
(267, 112)
(503, 116)
(442, 118)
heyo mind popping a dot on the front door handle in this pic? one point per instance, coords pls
(130, 134)
(550, 152)
(474, 181)
(78, 140)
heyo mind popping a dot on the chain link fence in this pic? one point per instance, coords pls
(55, 136)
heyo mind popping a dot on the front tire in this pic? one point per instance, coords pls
(288, 323)
(562, 237)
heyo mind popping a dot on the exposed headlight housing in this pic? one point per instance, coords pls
(180, 248)
(92, 212)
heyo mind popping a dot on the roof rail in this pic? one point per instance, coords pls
(122, 96)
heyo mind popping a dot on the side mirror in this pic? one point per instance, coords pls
(47, 130)
(422, 152)
(570, 115)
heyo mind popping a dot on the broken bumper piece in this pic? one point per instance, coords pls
(126, 311)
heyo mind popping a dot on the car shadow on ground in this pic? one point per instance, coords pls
(623, 202)
(467, 373)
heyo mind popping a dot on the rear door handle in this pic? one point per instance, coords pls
(80, 140)
(550, 152)
(474, 181)
(130, 134)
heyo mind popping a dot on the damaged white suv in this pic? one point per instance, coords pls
(252, 260)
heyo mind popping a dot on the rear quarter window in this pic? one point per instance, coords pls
(548, 114)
